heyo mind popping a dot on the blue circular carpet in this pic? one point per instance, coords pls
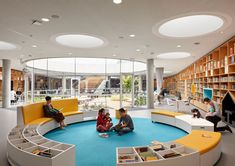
(94, 150)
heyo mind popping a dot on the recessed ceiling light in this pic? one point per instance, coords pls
(132, 35)
(117, 1)
(174, 55)
(34, 46)
(69, 53)
(45, 19)
(37, 22)
(138, 50)
(191, 26)
(55, 16)
(79, 41)
(178, 46)
(196, 43)
(7, 46)
(114, 55)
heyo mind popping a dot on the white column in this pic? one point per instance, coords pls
(150, 83)
(32, 86)
(120, 83)
(133, 86)
(159, 77)
(63, 85)
(6, 83)
(79, 86)
(140, 83)
(26, 87)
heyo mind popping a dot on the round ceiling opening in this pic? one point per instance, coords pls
(174, 55)
(190, 26)
(7, 46)
(79, 41)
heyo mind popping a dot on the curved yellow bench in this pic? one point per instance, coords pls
(34, 113)
(167, 113)
(202, 141)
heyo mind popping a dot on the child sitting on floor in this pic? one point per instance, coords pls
(196, 113)
(108, 120)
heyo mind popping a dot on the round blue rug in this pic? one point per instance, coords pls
(94, 150)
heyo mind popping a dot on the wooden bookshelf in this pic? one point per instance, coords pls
(215, 70)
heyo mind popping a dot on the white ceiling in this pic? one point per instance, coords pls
(107, 20)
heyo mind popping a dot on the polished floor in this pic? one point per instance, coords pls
(8, 121)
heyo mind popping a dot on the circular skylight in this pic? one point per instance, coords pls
(79, 41)
(7, 46)
(174, 55)
(191, 26)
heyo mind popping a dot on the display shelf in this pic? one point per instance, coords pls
(25, 144)
(215, 70)
(169, 153)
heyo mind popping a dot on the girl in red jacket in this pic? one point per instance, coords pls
(102, 124)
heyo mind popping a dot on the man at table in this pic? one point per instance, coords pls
(125, 124)
(213, 115)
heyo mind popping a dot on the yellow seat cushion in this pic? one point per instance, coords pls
(40, 121)
(200, 140)
(33, 112)
(72, 113)
(68, 105)
(167, 113)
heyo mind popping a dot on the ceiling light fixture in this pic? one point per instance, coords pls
(178, 46)
(174, 55)
(79, 41)
(114, 55)
(132, 35)
(34, 46)
(190, 26)
(45, 19)
(138, 50)
(117, 1)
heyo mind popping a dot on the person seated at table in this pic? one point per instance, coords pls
(125, 124)
(52, 112)
(101, 124)
(213, 115)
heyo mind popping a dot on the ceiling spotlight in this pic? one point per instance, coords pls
(132, 35)
(178, 46)
(55, 16)
(45, 19)
(138, 50)
(34, 46)
(117, 1)
(37, 22)
(114, 55)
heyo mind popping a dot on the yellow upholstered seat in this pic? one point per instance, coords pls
(200, 140)
(40, 121)
(72, 113)
(34, 113)
(167, 113)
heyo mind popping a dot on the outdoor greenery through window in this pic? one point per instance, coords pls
(96, 82)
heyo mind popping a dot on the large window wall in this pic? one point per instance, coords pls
(102, 82)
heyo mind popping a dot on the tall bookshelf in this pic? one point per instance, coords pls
(215, 70)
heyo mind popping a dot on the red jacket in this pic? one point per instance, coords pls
(100, 121)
